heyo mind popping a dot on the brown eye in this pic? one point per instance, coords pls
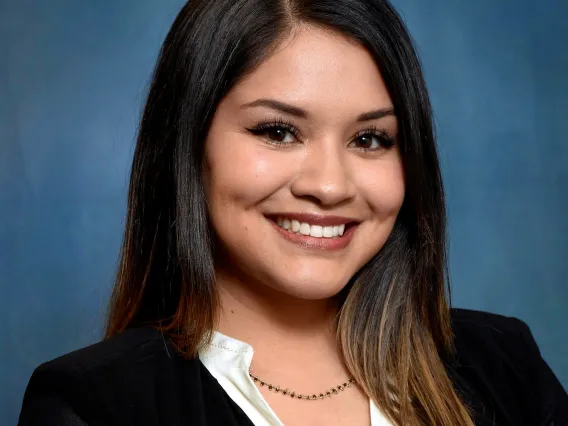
(373, 140)
(277, 134)
(366, 141)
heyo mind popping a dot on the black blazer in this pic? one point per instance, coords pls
(137, 378)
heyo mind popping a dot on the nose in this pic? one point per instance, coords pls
(323, 175)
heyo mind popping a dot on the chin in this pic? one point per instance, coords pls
(308, 288)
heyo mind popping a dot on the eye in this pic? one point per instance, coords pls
(373, 140)
(277, 132)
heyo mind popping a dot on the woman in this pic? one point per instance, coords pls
(286, 198)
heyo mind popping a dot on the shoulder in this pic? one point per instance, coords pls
(103, 380)
(131, 343)
(123, 349)
(472, 324)
(498, 361)
(485, 339)
(134, 353)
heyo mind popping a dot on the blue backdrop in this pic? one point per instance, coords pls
(73, 76)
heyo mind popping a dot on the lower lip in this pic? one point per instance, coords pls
(315, 243)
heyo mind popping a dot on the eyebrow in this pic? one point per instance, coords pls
(302, 113)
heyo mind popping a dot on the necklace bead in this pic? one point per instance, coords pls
(333, 391)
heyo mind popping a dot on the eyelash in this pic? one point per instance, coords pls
(384, 139)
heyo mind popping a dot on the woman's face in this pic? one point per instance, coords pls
(322, 160)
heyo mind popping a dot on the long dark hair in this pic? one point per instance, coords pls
(394, 324)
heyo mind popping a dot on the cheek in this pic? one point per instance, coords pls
(241, 171)
(383, 187)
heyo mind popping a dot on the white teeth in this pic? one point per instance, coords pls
(328, 231)
(317, 231)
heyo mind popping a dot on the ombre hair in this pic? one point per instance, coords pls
(394, 325)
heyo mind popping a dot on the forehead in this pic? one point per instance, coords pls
(320, 70)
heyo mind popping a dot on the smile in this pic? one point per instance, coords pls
(304, 228)
(315, 232)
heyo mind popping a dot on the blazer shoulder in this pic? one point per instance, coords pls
(497, 356)
(96, 381)
(123, 348)
(468, 320)
(485, 337)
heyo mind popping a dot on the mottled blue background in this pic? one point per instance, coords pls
(73, 76)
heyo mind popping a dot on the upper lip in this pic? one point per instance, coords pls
(314, 218)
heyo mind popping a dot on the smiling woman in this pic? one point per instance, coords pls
(286, 196)
(305, 147)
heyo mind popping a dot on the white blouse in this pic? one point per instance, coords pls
(229, 360)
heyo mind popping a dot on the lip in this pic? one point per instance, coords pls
(315, 243)
(313, 218)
